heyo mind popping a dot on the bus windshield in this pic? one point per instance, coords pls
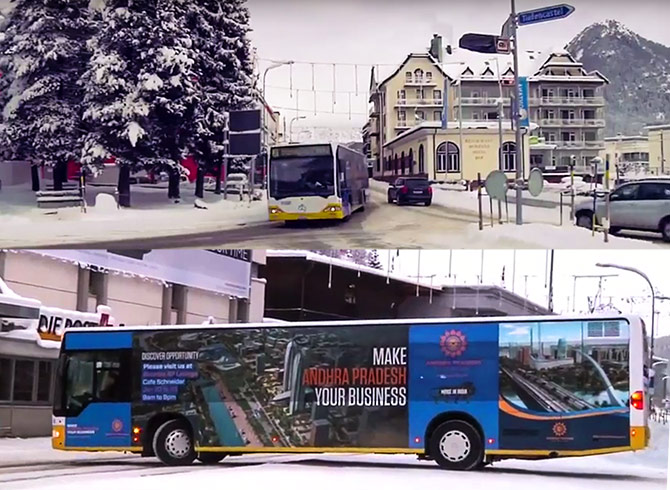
(302, 176)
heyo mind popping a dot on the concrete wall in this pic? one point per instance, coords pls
(25, 421)
(14, 173)
(134, 301)
(659, 145)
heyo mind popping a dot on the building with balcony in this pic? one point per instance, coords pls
(566, 105)
(627, 154)
(659, 149)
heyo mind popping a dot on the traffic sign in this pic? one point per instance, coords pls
(479, 43)
(545, 14)
(535, 182)
(503, 46)
(496, 185)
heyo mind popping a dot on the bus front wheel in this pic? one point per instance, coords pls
(457, 445)
(173, 443)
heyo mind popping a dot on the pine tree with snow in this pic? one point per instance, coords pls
(373, 260)
(44, 53)
(225, 73)
(140, 90)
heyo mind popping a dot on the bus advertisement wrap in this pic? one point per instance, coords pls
(527, 388)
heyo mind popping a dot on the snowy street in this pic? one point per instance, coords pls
(450, 222)
(30, 464)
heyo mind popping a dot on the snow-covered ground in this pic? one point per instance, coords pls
(23, 224)
(49, 469)
(541, 215)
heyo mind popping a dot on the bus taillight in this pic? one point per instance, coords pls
(637, 400)
(136, 434)
(404, 190)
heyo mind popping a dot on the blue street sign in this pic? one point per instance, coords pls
(524, 115)
(445, 102)
(545, 14)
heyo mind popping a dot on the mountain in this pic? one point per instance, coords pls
(639, 72)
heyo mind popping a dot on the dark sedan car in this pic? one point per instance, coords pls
(410, 190)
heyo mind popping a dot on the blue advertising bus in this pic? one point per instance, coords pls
(461, 392)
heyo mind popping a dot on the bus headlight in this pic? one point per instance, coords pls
(333, 208)
(274, 210)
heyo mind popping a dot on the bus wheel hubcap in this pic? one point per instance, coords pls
(455, 446)
(178, 443)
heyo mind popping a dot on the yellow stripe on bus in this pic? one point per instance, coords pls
(367, 450)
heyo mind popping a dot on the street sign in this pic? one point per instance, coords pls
(535, 182)
(524, 116)
(507, 28)
(503, 46)
(479, 43)
(496, 185)
(545, 14)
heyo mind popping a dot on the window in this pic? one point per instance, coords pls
(429, 76)
(474, 94)
(437, 94)
(437, 115)
(448, 158)
(402, 115)
(408, 76)
(655, 192)
(475, 115)
(626, 193)
(422, 164)
(420, 115)
(419, 93)
(44, 369)
(24, 372)
(401, 95)
(418, 75)
(508, 157)
(6, 379)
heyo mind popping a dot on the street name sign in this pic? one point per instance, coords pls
(545, 14)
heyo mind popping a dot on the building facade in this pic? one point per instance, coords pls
(566, 105)
(659, 149)
(138, 288)
(627, 154)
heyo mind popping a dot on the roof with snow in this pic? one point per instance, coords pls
(414, 56)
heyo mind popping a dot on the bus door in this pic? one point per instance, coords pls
(92, 406)
(344, 181)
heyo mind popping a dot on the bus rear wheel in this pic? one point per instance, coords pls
(173, 443)
(457, 445)
(210, 458)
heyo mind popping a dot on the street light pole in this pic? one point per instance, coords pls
(653, 294)
(271, 67)
(517, 116)
(290, 127)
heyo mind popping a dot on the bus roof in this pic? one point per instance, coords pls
(353, 323)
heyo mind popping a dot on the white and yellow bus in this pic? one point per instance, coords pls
(316, 182)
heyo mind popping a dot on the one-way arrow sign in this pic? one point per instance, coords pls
(545, 14)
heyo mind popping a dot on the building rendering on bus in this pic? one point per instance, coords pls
(462, 392)
(314, 182)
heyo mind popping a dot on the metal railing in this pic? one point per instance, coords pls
(573, 122)
(420, 81)
(480, 101)
(589, 101)
(418, 102)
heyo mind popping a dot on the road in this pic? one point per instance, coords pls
(380, 225)
(329, 472)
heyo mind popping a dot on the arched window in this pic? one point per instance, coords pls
(422, 165)
(418, 75)
(448, 158)
(402, 163)
(508, 159)
(411, 161)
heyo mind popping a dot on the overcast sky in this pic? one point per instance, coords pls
(466, 267)
(384, 31)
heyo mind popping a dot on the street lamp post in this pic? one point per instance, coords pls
(290, 127)
(517, 116)
(276, 64)
(653, 294)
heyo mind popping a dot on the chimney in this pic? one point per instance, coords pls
(436, 48)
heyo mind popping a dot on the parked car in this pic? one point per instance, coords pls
(237, 184)
(642, 205)
(408, 190)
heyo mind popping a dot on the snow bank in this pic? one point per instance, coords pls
(538, 235)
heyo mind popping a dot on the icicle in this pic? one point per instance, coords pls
(356, 79)
(349, 94)
(290, 80)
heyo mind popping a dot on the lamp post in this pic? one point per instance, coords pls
(653, 294)
(290, 127)
(276, 64)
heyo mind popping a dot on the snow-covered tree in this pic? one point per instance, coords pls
(44, 53)
(373, 259)
(225, 73)
(140, 90)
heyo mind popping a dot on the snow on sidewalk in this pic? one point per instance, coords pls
(38, 450)
(24, 225)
